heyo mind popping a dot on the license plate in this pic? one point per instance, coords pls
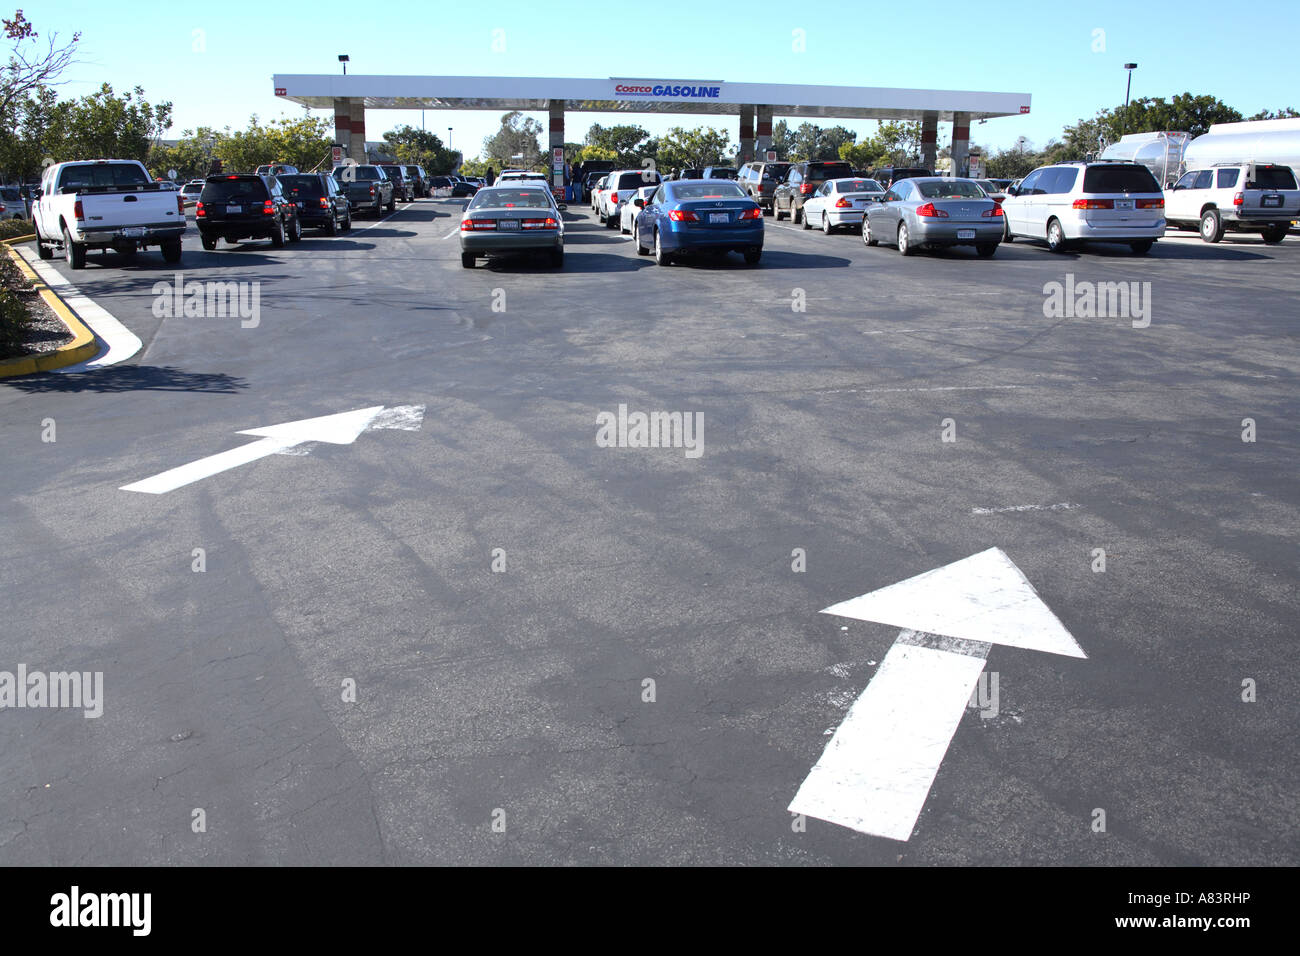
(1273, 201)
(299, 205)
(965, 233)
(1123, 203)
(234, 210)
(508, 224)
(133, 232)
(719, 217)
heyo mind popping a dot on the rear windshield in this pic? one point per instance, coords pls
(507, 198)
(412, 171)
(719, 190)
(951, 189)
(858, 186)
(393, 171)
(910, 172)
(829, 170)
(1272, 177)
(234, 190)
(1119, 179)
(106, 174)
(302, 186)
(636, 180)
(776, 170)
(359, 174)
(722, 172)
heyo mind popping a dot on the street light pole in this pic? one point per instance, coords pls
(1128, 87)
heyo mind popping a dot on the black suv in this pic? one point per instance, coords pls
(403, 185)
(321, 204)
(367, 187)
(888, 175)
(759, 180)
(419, 179)
(802, 181)
(235, 208)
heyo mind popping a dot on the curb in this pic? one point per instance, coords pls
(83, 345)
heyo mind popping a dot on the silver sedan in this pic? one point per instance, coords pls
(915, 213)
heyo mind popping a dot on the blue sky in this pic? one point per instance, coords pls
(214, 62)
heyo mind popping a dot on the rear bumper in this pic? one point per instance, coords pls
(683, 237)
(505, 242)
(1119, 232)
(235, 229)
(844, 217)
(943, 232)
(152, 233)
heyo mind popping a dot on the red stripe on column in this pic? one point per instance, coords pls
(358, 126)
(764, 128)
(961, 132)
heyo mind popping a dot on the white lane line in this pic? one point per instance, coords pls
(205, 467)
(876, 772)
(1063, 506)
(119, 343)
(936, 388)
(454, 232)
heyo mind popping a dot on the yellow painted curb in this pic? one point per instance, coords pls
(83, 345)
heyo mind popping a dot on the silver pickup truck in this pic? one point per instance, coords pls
(106, 204)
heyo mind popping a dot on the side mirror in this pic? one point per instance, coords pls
(563, 206)
(37, 192)
(639, 203)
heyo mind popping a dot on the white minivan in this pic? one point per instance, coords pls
(1073, 202)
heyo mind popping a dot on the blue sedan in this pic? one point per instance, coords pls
(698, 215)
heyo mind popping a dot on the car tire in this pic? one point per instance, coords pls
(611, 222)
(467, 260)
(752, 256)
(209, 242)
(776, 210)
(1212, 228)
(171, 250)
(985, 250)
(1056, 236)
(1275, 234)
(867, 238)
(295, 234)
(826, 224)
(73, 252)
(661, 258)
(277, 236)
(42, 247)
(803, 220)
(1006, 230)
(556, 258)
(636, 241)
(347, 222)
(905, 246)
(392, 204)
(1142, 246)
(796, 215)
(331, 227)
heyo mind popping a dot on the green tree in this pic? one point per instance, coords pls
(303, 142)
(1285, 113)
(623, 144)
(519, 135)
(31, 65)
(421, 148)
(103, 125)
(816, 142)
(682, 148)
(782, 140)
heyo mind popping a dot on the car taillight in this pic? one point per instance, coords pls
(547, 223)
(1238, 199)
(372, 190)
(469, 225)
(324, 202)
(990, 213)
(268, 208)
(806, 188)
(77, 211)
(928, 211)
(682, 215)
(1151, 203)
(180, 205)
(754, 213)
(613, 197)
(199, 211)
(842, 204)
(1094, 204)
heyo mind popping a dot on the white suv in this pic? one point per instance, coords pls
(1241, 197)
(1078, 201)
(622, 186)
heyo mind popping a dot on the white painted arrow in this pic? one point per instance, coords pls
(340, 429)
(877, 770)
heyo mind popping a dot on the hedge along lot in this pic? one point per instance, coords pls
(37, 331)
(22, 313)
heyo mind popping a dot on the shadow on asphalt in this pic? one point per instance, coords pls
(574, 262)
(1161, 250)
(772, 259)
(130, 378)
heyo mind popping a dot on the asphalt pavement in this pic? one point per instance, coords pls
(646, 676)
